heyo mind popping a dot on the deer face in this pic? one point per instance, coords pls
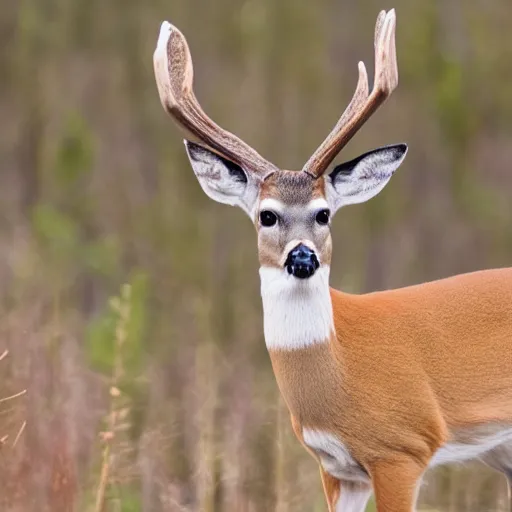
(292, 220)
(292, 210)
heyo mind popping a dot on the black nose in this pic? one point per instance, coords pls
(301, 262)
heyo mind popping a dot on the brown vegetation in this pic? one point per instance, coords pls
(184, 413)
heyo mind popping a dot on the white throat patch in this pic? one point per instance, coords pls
(296, 312)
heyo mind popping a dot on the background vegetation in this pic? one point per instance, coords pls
(162, 398)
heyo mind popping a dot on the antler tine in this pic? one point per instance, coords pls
(363, 104)
(174, 78)
(378, 27)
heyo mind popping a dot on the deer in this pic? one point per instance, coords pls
(380, 386)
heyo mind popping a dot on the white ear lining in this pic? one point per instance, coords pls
(223, 181)
(361, 179)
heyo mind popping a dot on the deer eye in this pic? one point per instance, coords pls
(267, 218)
(322, 217)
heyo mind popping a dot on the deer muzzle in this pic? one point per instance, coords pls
(301, 262)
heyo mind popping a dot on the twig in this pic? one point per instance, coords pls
(102, 486)
(3, 439)
(7, 411)
(13, 396)
(19, 433)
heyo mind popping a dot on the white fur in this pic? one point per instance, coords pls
(318, 204)
(334, 456)
(296, 312)
(353, 497)
(368, 176)
(460, 452)
(217, 181)
(271, 204)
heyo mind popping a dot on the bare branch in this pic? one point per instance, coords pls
(16, 395)
(22, 428)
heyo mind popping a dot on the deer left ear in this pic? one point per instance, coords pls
(364, 177)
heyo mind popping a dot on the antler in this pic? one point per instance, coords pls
(174, 76)
(362, 105)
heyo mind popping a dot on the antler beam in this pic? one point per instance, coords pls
(363, 104)
(174, 77)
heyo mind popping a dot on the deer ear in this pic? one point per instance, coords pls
(223, 180)
(364, 177)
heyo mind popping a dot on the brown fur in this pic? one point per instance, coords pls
(407, 371)
(294, 190)
(332, 489)
(292, 187)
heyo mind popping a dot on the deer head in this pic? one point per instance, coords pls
(291, 210)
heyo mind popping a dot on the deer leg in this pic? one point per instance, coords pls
(345, 496)
(396, 483)
(500, 459)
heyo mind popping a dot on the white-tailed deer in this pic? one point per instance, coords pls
(382, 386)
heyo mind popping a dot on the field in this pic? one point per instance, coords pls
(133, 370)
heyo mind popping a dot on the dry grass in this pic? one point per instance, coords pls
(5, 438)
(96, 188)
(117, 416)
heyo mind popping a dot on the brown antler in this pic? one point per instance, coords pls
(174, 76)
(362, 105)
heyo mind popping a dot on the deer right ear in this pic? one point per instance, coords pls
(223, 180)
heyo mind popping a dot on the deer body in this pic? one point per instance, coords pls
(382, 386)
(410, 361)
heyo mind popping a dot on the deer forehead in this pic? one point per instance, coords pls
(292, 188)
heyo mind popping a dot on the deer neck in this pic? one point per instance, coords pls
(296, 313)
